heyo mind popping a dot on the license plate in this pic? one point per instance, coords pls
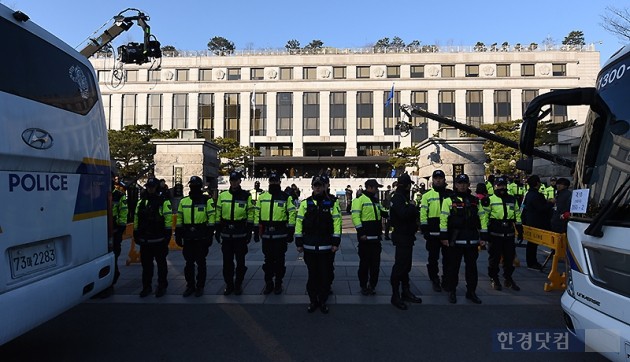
(30, 259)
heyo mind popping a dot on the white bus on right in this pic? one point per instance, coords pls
(596, 302)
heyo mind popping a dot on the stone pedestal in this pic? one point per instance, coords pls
(451, 155)
(177, 159)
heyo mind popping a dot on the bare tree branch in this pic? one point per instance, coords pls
(617, 22)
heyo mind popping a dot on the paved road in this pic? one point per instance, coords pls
(256, 327)
(254, 332)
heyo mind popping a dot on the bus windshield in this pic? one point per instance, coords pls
(603, 163)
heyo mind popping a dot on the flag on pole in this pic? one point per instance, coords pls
(390, 97)
(254, 98)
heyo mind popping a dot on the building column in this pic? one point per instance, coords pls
(141, 108)
(167, 111)
(272, 114)
(115, 121)
(245, 121)
(516, 104)
(460, 105)
(405, 98)
(219, 114)
(298, 128)
(351, 123)
(432, 103)
(378, 108)
(193, 111)
(488, 106)
(324, 113)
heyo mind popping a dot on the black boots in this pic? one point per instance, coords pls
(452, 298)
(397, 301)
(496, 284)
(408, 296)
(436, 285)
(268, 288)
(473, 297)
(509, 283)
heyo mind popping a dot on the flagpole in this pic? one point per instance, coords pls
(393, 117)
(253, 102)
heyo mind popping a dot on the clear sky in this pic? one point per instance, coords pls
(189, 24)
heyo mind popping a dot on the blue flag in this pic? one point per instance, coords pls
(390, 97)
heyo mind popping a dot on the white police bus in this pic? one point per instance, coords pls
(596, 303)
(54, 178)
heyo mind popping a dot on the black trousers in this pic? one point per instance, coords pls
(501, 247)
(402, 260)
(234, 249)
(157, 252)
(195, 251)
(531, 249)
(386, 226)
(454, 255)
(274, 251)
(369, 263)
(319, 275)
(117, 248)
(435, 247)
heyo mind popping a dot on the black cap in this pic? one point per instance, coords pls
(553, 179)
(325, 179)
(404, 179)
(563, 181)
(533, 180)
(257, 183)
(274, 177)
(463, 178)
(438, 173)
(317, 180)
(501, 181)
(372, 183)
(195, 181)
(152, 182)
(235, 175)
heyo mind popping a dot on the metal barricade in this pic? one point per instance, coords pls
(558, 244)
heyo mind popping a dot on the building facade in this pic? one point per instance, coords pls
(334, 109)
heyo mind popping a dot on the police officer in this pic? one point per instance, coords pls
(501, 217)
(120, 212)
(275, 218)
(404, 218)
(490, 184)
(318, 235)
(366, 217)
(194, 229)
(335, 199)
(152, 231)
(430, 209)
(234, 227)
(536, 213)
(460, 222)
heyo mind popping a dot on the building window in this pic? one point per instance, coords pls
(558, 113)
(286, 73)
(446, 104)
(373, 149)
(232, 110)
(527, 96)
(205, 116)
(472, 71)
(284, 114)
(155, 75)
(527, 70)
(337, 113)
(182, 75)
(257, 73)
(234, 74)
(131, 75)
(258, 125)
(104, 75)
(393, 107)
(205, 75)
(503, 70)
(339, 72)
(154, 110)
(311, 113)
(309, 73)
(270, 150)
(393, 71)
(502, 106)
(417, 71)
(365, 113)
(559, 70)
(474, 107)
(420, 132)
(128, 110)
(107, 107)
(448, 71)
(363, 71)
(180, 111)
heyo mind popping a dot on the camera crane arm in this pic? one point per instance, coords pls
(150, 48)
(417, 111)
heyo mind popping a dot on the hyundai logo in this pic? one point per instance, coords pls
(37, 138)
